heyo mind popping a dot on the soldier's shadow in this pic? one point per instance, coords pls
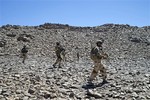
(92, 86)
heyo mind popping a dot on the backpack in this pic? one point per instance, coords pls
(60, 49)
(24, 50)
(95, 53)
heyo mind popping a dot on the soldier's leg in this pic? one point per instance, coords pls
(21, 55)
(78, 56)
(103, 72)
(94, 72)
(59, 63)
(24, 57)
(62, 58)
(58, 60)
(62, 55)
(55, 62)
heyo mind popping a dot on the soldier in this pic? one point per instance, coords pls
(97, 54)
(24, 53)
(77, 53)
(3, 43)
(60, 53)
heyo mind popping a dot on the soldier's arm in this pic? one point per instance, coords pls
(104, 55)
(55, 49)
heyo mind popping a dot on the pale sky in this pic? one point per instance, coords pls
(75, 12)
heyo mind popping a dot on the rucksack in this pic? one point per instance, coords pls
(95, 54)
(24, 50)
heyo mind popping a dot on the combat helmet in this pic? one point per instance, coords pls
(57, 43)
(100, 41)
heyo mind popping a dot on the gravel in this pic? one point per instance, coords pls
(128, 66)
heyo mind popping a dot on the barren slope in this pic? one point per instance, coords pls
(128, 65)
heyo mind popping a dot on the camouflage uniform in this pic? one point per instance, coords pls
(60, 53)
(24, 53)
(97, 55)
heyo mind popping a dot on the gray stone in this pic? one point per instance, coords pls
(71, 95)
(1, 90)
(25, 98)
(47, 95)
(147, 75)
(74, 86)
(137, 90)
(142, 97)
(148, 96)
(134, 94)
(31, 91)
(93, 94)
(18, 91)
(2, 43)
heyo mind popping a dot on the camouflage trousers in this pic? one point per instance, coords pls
(98, 66)
(60, 57)
(24, 56)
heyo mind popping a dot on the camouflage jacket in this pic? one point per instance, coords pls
(58, 50)
(98, 53)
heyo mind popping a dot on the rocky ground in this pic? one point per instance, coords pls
(128, 66)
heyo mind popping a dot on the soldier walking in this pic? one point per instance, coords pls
(97, 54)
(24, 52)
(60, 54)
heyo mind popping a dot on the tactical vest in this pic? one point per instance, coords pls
(24, 50)
(58, 50)
(96, 53)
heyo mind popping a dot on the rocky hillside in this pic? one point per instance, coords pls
(128, 66)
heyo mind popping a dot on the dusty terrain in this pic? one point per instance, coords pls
(128, 66)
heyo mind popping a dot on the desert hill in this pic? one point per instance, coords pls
(128, 66)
